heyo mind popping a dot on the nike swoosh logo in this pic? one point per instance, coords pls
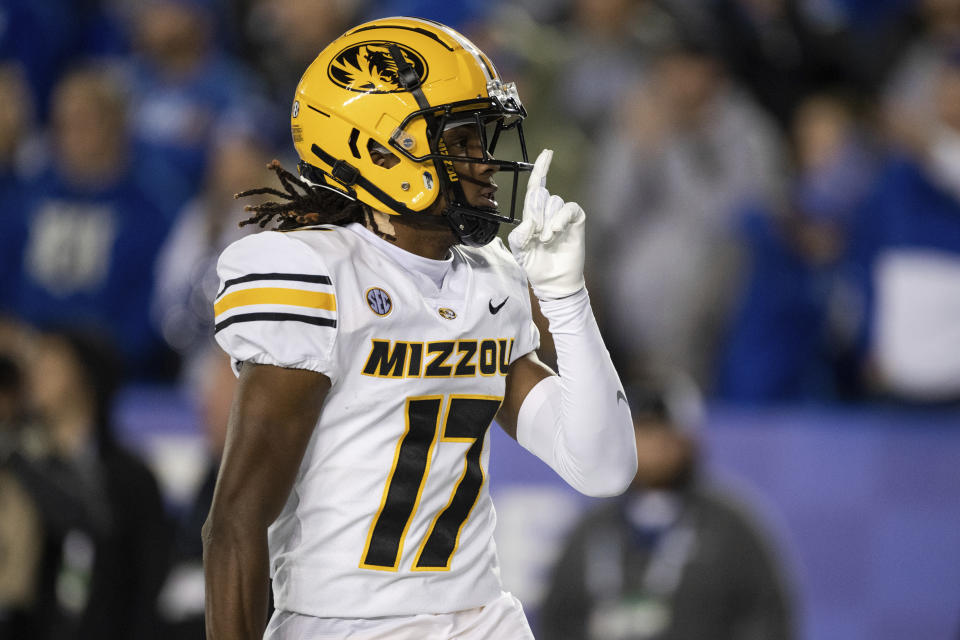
(496, 309)
(621, 396)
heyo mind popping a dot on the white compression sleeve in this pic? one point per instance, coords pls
(579, 422)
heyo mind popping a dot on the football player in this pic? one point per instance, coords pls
(377, 333)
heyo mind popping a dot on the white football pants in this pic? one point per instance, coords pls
(502, 619)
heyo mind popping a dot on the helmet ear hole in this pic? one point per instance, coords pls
(380, 155)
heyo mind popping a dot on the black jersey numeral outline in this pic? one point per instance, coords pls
(466, 420)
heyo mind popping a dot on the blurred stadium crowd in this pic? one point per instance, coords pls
(773, 184)
(773, 188)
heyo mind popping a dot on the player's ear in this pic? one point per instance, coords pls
(381, 156)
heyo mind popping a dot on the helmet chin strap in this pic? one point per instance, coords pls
(470, 229)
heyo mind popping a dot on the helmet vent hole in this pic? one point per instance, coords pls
(354, 136)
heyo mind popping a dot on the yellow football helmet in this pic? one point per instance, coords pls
(396, 84)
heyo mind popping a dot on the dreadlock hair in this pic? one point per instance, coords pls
(315, 205)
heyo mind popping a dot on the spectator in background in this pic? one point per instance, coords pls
(603, 60)
(905, 252)
(577, 63)
(909, 98)
(92, 223)
(183, 89)
(110, 571)
(187, 266)
(12, 398)
(671, 559)
(671, 173)
(182, 599)
(40, 509)
(792, 334)
(16, 124)
(284, 38)
(537, 54)
(20, 525)
(45, 38)
(461, 16)
(785, 50)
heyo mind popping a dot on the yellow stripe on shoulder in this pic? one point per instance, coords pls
(276, 295)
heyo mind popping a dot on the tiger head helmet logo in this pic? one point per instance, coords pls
(368, 67)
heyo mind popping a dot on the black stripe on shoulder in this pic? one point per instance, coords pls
(277, 317)
(252, 277)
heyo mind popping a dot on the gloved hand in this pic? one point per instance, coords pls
(549, 241)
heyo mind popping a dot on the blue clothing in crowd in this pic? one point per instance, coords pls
(775, 349)
(782, 344)
(86, 256)
(177, 119)
(48, 37)
(12, 232)
(905, 211)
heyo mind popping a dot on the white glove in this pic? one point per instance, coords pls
(549, 242)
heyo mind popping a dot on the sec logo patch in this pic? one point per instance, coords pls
(448, 314)
(379, 301)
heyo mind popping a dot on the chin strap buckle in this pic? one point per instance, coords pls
(406, 74)
(345, 173)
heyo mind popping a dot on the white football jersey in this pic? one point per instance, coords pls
(390, 512)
